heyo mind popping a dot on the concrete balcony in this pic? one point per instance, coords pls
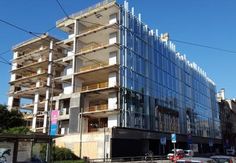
(30, 92)
(91, 47)
(95, 86)
(101, 107)
(97, 28)
(64, 77)
(31, 78)
(41, 106)
(99, 111)
(92, 67)
(32, 67)
(39, 114)
(27, 56)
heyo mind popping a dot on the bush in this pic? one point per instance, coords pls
(17, 130)
(58, 153)
(63, 154)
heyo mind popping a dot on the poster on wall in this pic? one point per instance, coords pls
(24, 151)
(6, 152)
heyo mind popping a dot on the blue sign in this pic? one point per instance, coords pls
(173, 138)
(53, 129)
(163, 140)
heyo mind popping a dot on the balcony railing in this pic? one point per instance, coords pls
(91, 67)
(95, 86)
(98, 107)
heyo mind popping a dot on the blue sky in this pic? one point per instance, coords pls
(207, 22)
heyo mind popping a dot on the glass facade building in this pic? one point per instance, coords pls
(160, 89)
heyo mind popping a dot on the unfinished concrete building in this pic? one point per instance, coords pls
(123, 87)
(31, 80)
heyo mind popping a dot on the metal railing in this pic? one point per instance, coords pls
(85, 10)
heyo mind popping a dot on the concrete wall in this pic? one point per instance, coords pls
(112, 79)
(113, 58)
(94, 144)
(113, 38)
(113, 18)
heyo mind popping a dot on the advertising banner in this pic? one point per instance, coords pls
(54, 125)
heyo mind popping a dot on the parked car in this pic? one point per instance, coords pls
(179, 154)
(195, 160)
(223, 159)
(230, 152)
(189, 153)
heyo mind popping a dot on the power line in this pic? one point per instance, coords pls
(203, 46)
(51, 28)
(5, 63)
(5, 52)
(5, 60)
(174, 40)
(63, 10)
(15, 26)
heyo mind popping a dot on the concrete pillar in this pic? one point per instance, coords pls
(112, 101)
(10, 102)
(113, 121)
(113, 18)
(12, 78)
(36, 100)
(112, 79)
(113, 38)
(113, 58)
(49, 87)
(74, 58)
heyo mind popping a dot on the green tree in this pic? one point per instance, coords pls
(10, 119)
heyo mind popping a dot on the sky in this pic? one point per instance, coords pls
(207, 22)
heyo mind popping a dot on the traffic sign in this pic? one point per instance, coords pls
(163, 140)
(173, 138)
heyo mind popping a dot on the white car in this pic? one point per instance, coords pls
(230, 152)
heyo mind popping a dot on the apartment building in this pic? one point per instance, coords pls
(31, 79)
(124, 87)
(227, 118)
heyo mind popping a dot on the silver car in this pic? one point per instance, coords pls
(196, 160)
(223, 159)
